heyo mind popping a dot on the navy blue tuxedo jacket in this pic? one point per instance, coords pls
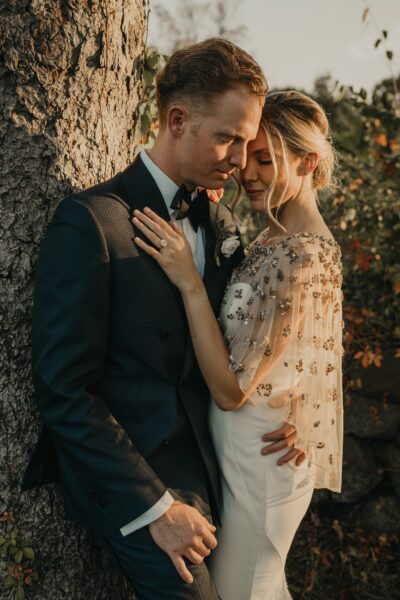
(113, 362)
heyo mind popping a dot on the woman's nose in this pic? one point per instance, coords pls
(248, 174)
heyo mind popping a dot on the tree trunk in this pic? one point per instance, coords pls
(70, 77)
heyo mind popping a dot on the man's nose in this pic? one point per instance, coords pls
(238, 157)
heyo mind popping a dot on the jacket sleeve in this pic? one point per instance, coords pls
(70, 329)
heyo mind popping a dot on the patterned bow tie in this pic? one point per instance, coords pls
(196, 210)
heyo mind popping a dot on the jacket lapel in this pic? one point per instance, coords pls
(214, 277)
(141, 190)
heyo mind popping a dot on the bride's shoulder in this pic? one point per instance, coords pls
(303, 242)
(289, 251)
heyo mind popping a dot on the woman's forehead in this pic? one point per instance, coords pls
(260, 144)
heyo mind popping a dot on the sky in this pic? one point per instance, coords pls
(296, 41)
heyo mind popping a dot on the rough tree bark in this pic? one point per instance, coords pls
(70, 73)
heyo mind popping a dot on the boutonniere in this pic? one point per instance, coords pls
(224, 226)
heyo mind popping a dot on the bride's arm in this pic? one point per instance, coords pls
(212, 354)
(177, 261)
(210, 348)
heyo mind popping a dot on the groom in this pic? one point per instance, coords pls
(116, 380)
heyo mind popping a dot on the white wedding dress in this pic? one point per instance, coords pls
(281, 317)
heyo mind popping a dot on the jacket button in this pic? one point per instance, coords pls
(167, 442)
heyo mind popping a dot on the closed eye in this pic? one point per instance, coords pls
(227, 139)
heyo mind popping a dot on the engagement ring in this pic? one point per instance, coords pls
(163, 243)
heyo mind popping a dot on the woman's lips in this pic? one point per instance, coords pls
(255, 192)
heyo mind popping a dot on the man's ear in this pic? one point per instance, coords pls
(309, 163)
(177, 118)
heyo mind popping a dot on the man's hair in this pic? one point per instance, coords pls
(199, 72)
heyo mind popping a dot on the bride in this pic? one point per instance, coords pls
(278, 358)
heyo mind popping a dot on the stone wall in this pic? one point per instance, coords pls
(370, 496)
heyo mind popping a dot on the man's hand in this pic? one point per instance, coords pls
(284, 437)
(183, 532)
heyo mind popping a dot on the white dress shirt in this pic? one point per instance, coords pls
(168, 189)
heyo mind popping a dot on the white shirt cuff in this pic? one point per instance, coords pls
(152, 514)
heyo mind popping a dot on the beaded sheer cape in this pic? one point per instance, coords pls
(282, 321)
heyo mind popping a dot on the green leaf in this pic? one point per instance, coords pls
(2, 540)
(20, 593)
(5, 546)
(378, 41)
(12, 550)
(29, 553)
(145, 124)
(144, 108)
(389, 54)
(152, 61)
(18, 556)
(365, 14)
(10, 581)
(148, 77)
(153, 109)
(385, 34)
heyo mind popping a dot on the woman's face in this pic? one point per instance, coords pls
(259, 172)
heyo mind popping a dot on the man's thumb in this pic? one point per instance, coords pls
(181, 567)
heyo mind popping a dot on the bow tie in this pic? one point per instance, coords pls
(196, 210)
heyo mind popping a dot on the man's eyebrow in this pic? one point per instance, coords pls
(230, 134)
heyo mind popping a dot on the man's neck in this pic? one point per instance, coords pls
(161, 156)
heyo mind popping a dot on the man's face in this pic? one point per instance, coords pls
(212, 146)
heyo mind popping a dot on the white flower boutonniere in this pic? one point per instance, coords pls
(229, 245)
(223, 223)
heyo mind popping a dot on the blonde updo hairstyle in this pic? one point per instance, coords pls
(301, 127)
